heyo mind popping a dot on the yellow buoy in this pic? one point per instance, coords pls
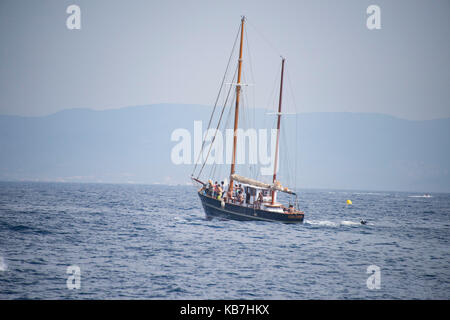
(349, 201)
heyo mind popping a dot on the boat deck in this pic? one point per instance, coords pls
(217, 208)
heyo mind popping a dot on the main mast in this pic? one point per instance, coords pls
(278, 131)
(236, 111)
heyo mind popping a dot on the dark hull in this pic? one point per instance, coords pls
(213, 208)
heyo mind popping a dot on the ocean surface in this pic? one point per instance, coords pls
(153, 242)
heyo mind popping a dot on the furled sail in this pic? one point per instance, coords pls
(249, 181)
(259, 184)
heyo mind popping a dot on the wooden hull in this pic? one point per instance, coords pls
(213, 208)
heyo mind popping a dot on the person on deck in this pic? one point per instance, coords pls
(209, 188)
(229, 196)
(219, 191)
(215, 190)
(240, 197)
(260, 199)
(291, 209)
(222, 189)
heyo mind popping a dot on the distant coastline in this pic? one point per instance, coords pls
(361, 151)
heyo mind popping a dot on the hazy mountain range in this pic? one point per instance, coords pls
(133, 145)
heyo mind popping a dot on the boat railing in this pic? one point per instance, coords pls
(255, 205)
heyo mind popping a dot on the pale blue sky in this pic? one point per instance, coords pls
(145, 52)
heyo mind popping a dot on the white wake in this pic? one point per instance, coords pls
(327, 223)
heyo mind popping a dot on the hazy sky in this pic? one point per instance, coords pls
(144, 52)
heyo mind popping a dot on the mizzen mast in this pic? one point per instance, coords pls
(236, 111)
(278, 131)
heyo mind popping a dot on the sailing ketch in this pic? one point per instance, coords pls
(260, 202)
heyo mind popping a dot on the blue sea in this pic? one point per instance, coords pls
(153, 242)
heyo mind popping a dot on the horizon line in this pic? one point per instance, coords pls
(207, 106)
(189, 184)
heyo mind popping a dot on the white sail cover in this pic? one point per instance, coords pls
(259, 184)
(249, 181)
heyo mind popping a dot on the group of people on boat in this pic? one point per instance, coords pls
(219, 191)
(243, 196)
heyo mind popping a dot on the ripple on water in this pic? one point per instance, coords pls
(154, 242)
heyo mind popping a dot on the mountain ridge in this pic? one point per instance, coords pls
(133, 145)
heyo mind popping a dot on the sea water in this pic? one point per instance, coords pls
(154, 242)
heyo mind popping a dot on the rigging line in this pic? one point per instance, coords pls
(248, 124)
(288, 155)
(250, 64)
(214, 137)
(264, 38)
(296, 125)
(275, 119)
(269, 122)
(217, 99)
(227, 121)
(286, 160)
(247, 121)
(249, 56)
(250, 111)
(252, 75)
(269, 107)
(212, 173)
(292, 91)
(243, 121)
(272, 99)
(296, 151)
(217, 128)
